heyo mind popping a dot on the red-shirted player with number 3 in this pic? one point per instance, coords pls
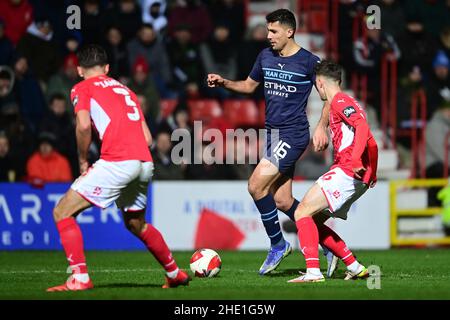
(352, 173)
(121, 175)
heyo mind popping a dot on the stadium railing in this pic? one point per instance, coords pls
(388, 87)
(397, 213)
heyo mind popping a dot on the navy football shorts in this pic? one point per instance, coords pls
(285, 147)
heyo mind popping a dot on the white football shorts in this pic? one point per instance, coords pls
(123, 182)
(341, 191)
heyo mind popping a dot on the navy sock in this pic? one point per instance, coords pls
(269, 217)
(291, 211)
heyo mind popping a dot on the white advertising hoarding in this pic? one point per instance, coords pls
(177, 208)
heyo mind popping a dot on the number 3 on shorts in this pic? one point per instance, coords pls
(280, 150)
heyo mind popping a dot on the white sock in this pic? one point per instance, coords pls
(173, 274)
(314, 271)
(355, 267)
(82, 277)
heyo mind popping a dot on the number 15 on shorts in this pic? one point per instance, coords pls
(280, 151)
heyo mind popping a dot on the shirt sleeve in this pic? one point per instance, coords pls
(355, 117)
(257, 71)
(80, 99)
(314, 60)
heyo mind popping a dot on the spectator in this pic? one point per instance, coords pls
(72, 43)
(194, 14)
(8, 171)
(312, 164)
(242, 168)
(179, 119)
(368, 57)
(30, 97)
(126, 16)
(153, 12)
(142, 84)
(256, 40)
(17, 15)
(165, 169)
(117, 53)
(437, 129)
(408, 85)
(208, 169)
(148, 45)
(418, 45)
(60, 122)
(148, 114)
(219, 56)
(63, 81)
(46, 164)
(392, 18)
(445, 41)
(230, 13)
(7, 95)
(185, 61)
(433, 13)
(438, 86)
(6, 47)
(40, 50)
(20, 139)
(91, 21)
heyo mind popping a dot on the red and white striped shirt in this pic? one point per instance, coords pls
(353, 142)
(116, 115)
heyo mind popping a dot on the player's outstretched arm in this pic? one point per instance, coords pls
(246, 86)
(84, 138)
(320, 137)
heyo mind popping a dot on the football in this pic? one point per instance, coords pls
(205, 263)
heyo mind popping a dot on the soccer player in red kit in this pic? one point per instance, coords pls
(352, 173)
(121, 175)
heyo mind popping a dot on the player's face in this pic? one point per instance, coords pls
(320, 85)
(278, 35)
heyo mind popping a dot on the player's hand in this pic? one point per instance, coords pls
(320, 139)
(359, 172)
(214, 80)
(84, 166)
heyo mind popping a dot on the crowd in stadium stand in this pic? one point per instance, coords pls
(162, 50)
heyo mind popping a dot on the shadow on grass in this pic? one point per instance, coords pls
(128, 285)
(296, 273)
(284, 273)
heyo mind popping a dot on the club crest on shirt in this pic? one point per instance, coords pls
(75, 101)
(349, 111)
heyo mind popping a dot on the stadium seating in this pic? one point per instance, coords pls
(167, 106)
(262, 112)
(241, 113)
(204, 109)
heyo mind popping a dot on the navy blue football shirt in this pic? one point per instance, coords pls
(287, 84)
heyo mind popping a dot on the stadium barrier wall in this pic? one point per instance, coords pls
(215, 214)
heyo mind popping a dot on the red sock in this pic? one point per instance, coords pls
(309, 241)
(332, 241)
(155, 243)
(72, 241)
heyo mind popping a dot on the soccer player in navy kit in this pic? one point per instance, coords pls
(287, 71)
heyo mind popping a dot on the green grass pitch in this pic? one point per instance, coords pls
(406, 274)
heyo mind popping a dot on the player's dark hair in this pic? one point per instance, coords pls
(284, 17)
(92, 55)
(329, 69)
